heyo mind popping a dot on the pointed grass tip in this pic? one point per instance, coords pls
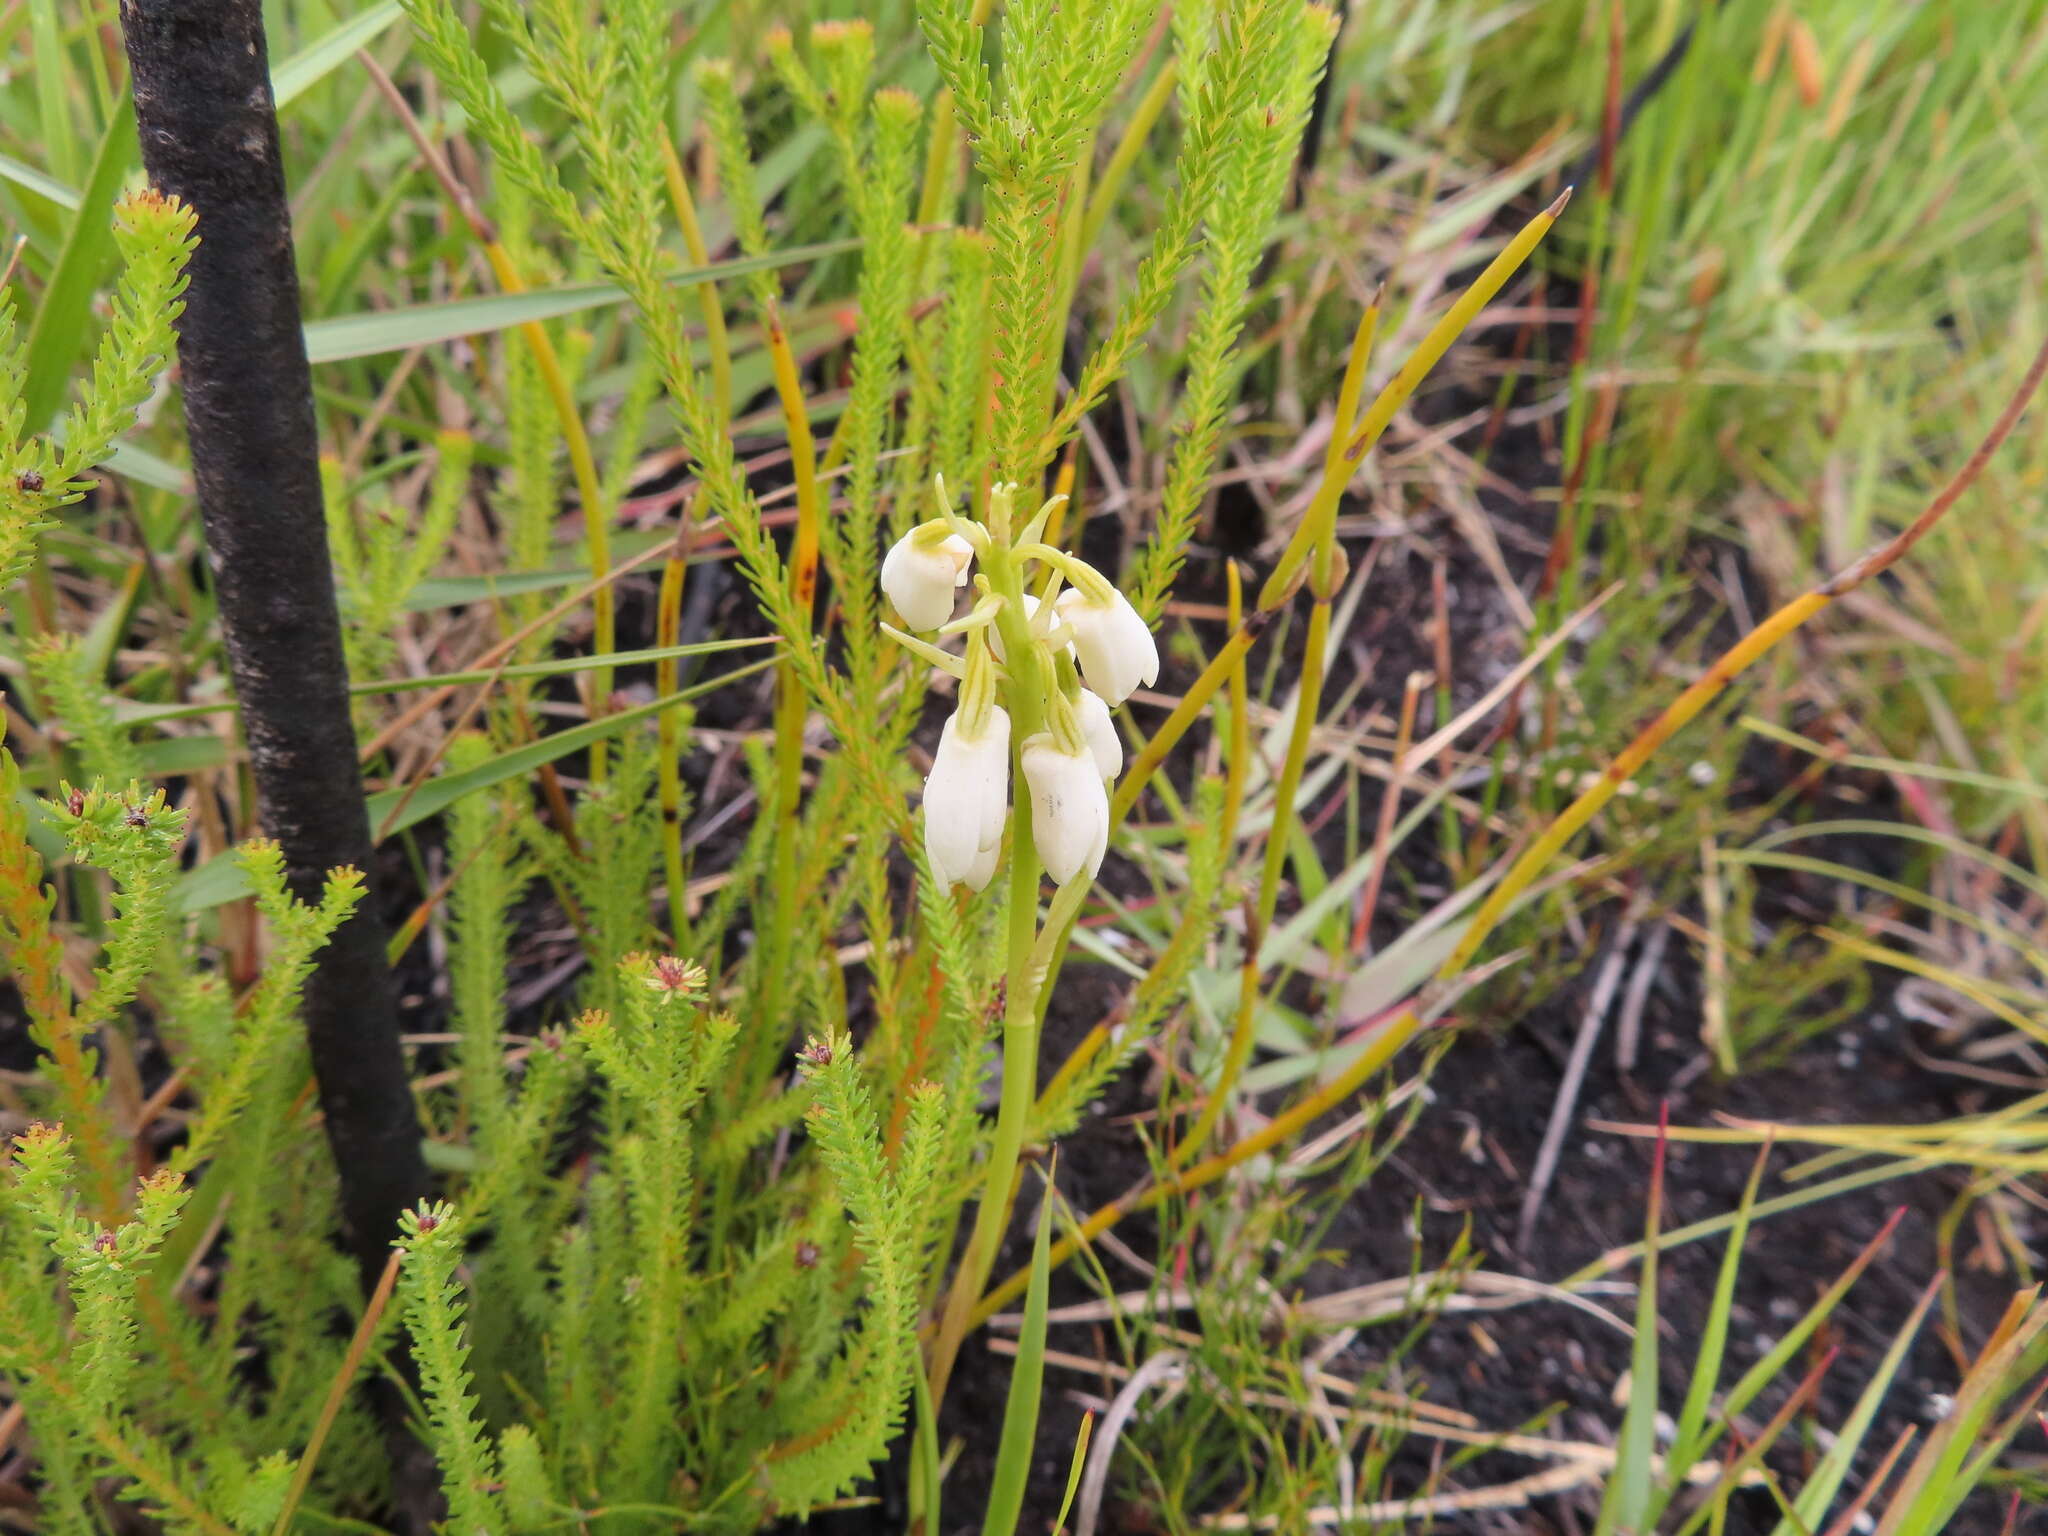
(1557, 207)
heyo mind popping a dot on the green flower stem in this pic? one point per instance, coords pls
(1030, 959)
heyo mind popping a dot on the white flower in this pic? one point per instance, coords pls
(966, 797)
(920, 572)
(1111, 641)
(1103, 741)
(1069, 808)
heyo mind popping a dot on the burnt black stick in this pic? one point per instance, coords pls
(201, 73)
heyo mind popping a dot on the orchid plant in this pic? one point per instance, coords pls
(1079, 653)
(1051, 648)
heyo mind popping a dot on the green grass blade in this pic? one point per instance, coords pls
(560, 665)
(1821, 1487)
(57, 85)
(313, 63)
(221, 880)
(155, 714)
(1626, 1503)
(924, 1452)
(1706, 1371)
(1074, 1472)
(1758, 1376)
(393, 810)
(43, 185)
(63, 329)
(1027, 1380)
(420, 325)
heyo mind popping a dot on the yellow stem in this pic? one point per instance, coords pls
(1402, 385)
(707, 292)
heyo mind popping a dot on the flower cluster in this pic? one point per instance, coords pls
(1050, 664)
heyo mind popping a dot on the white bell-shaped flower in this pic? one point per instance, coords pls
(1096, 725)
(1069, 808)
(966, 799)
(1111, 641)
(921, 571)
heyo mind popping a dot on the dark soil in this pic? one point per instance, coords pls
(1468, 1160)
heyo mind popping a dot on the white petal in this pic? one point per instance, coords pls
(1069, 809)
(952, 809)
(966, 798)
(1100, 730)
(1112, 642)
(919, 579)
(983, 869)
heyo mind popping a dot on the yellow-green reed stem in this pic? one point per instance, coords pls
(1321, 522)
(668, 622)
(1308, 698)
(1029, 958)
(1128, 148)
(1240, 748)
(675, 571)
(934, 192)
(1184, 715)
(715, 337)
(1575, 816)
(1403, 384)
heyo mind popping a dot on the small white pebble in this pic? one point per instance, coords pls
(1702, 773)
(1939, 1405)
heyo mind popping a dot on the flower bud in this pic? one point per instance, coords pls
(1104, 744)
(1111, 641)
(920, 572)
(966, 797)
(1069, 808)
